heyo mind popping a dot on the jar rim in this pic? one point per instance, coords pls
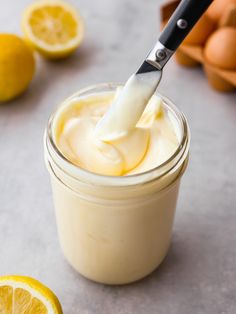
(140, 178)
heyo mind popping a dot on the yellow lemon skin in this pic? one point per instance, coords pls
(17, 66)
(26, 290)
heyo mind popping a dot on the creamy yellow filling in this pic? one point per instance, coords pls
(144, 147)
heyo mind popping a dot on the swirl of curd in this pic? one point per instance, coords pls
(142, 148)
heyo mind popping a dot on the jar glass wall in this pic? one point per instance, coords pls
(115, 230)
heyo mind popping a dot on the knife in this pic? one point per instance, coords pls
(127, 109)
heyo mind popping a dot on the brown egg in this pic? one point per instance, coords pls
(220, 49)
(200, 32)
(217, 8)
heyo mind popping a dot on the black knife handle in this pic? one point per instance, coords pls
(182, 21)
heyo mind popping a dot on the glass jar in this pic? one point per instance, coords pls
(116, 229)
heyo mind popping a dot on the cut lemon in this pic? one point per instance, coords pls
(53, 27)
(20, 294)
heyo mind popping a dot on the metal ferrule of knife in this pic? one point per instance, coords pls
(156, 59)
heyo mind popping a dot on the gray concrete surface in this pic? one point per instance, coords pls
(199, 273)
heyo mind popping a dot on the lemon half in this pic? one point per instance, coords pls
(20, 294)
(53, 27)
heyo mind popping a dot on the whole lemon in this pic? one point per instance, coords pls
(17, 66)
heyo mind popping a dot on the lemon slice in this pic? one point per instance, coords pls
(20, 294)
(53, 27)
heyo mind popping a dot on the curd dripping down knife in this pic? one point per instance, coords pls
(127, 109)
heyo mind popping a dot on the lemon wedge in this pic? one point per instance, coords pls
(20, 294)
(53, 27)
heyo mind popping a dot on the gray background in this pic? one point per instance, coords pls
(198, 275)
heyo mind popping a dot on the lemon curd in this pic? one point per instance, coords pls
(115, 200)
(146, 146)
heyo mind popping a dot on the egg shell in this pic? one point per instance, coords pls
(228, 18)
(220, 49)
(217, 8)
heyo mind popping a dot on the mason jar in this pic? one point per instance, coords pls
(116, 229)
